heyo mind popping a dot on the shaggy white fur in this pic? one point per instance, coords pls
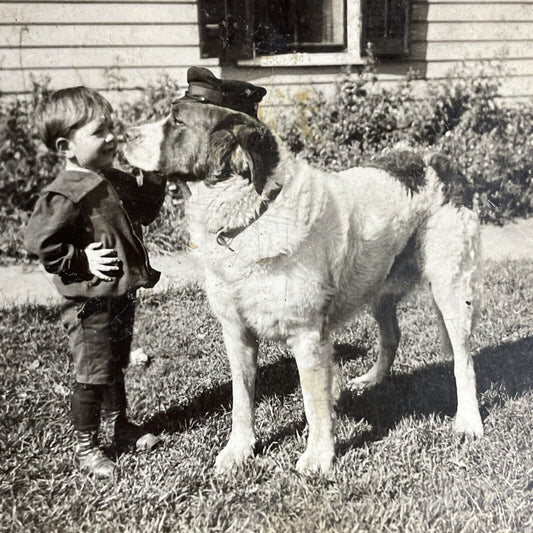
(327, 245)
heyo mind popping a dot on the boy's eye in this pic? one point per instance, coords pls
(102, 132)
(177, 121)
(104, 129)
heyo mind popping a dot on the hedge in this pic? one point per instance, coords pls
(462, 116)
(490, 139)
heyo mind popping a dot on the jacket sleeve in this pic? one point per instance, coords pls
(152, 196)
(52, 233)
(141, 201)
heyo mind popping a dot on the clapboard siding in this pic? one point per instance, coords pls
(98, 35)
(446, 32)
(100, 78)
(84, 57)
(470, 31)
(521, 86)
(481, 3)
(84, 42)
(442, 51)
(79, 41)
(445, 69)
(283, 90)
(107, 2)
(461, 12)
(112, 13)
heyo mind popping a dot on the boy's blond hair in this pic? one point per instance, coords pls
(67, 110)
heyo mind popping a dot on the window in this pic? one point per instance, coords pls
(286, 26)
(300, 32)
(385, 25)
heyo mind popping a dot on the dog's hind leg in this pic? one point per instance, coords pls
(451, 248)
(384, 311)
(314, 357)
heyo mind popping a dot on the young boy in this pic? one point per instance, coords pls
(85, 229)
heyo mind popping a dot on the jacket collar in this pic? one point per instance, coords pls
(75, 184)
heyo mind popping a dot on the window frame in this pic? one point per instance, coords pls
(350, 56)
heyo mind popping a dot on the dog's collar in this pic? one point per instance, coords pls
(224, 237)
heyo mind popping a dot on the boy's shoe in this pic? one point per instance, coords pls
(125, 435)
(96, 463)
(91, 458)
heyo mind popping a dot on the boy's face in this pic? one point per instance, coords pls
(93, 146)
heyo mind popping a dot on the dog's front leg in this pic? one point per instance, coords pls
(241, 346)
(314, 357)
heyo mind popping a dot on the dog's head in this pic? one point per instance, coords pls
(199, 141)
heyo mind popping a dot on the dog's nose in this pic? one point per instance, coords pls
(131, 135)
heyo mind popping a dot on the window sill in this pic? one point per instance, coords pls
(303, 60)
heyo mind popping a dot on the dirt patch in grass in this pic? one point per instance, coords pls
(514, 240)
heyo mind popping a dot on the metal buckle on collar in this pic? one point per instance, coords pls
(221, 241)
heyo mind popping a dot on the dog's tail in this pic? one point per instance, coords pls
(457, 189)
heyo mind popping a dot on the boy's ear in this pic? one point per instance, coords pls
(63, 147)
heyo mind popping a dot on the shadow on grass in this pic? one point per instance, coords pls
(429, 390)
(280, 378)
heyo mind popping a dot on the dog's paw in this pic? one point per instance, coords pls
(233, 455)
(469, 425)
(311, 462)
(366, 381)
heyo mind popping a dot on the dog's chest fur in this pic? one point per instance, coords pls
(324, 246)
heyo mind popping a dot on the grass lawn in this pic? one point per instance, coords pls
(399, 467)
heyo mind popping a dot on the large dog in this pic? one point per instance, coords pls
(290, 252)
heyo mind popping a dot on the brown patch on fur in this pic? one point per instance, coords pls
(405, 165)
(242, 147)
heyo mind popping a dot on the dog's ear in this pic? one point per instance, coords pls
(248, 149)
(241, 162)
(222, 146)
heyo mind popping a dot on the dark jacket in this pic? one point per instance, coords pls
(81, 207)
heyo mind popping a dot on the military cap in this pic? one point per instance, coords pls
(205, 87)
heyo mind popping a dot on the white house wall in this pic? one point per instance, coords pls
(105, 44)
(90, 43)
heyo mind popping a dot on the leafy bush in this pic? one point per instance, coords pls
(153, 103)
(26, 166)
(462, 116)
(495, 147)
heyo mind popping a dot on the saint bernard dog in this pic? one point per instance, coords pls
(291, 252)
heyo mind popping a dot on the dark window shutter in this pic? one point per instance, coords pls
(386, 26)
(225, 29)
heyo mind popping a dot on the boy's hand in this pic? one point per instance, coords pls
(102, 261)
(142, 176)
